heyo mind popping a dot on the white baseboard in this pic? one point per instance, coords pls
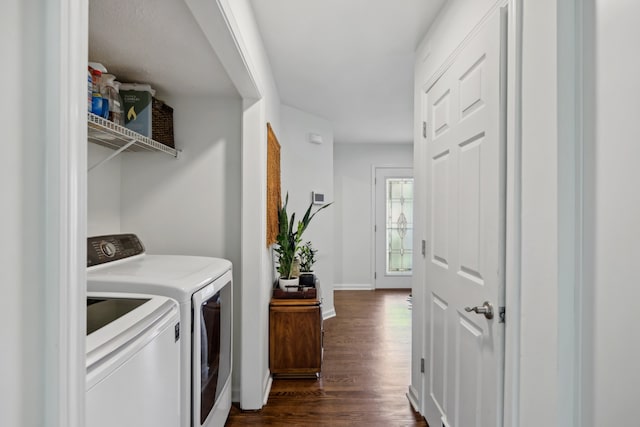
(268, 381)
(354, 287)
(235, 395)
(328, 314)
(412, 395)
(395, 287)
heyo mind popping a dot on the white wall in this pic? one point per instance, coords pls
(612, 210)
(42, 169)
(539, 215)
(22, 184)
(103, 192)
(352, 209)
(189, 205)
(307, 167)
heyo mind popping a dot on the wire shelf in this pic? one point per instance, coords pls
(108, 134)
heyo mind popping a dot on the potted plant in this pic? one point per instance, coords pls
(307, 259)
(288, 243)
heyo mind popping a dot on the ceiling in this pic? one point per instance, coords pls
(185, 64)
(348, 61)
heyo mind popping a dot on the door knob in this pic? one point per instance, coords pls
(486, 309)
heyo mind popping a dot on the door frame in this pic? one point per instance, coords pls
(374, 168)
(66, 45)
(572, 328)
(373, 215)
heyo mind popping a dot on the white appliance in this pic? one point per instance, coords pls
(133, 361)
(203, 288)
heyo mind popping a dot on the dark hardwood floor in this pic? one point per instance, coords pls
(365, 375)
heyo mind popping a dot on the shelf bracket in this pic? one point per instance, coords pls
(112, 155)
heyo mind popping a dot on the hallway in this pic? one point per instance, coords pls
(365, 375)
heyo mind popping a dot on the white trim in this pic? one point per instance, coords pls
(372, 235)
(268, 382)
(513, 216)
(570, 211)
(412, 395)
(419, 294)
(221, 30)
(328, 314)
(449, 61)
(254, 131)
(354, 287)
(566, 227)
(585, 35)
(65, 239)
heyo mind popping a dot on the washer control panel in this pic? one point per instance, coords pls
(114, 247)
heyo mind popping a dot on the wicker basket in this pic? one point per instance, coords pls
(162, 123)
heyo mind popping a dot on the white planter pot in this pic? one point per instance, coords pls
(290, 285)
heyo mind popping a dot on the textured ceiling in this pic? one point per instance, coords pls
(348, 61)
(157, 42)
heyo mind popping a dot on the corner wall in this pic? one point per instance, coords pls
(353, 230)
(307, 167)
(103, 191)
(189, 205)
(611, 215)
(538, 374)
(23, 186)
(261, 104)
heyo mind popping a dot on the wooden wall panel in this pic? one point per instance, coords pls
(273, 185)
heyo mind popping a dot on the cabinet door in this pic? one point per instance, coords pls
(295, 340)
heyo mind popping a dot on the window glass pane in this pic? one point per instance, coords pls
(209, 353)
(399, 223)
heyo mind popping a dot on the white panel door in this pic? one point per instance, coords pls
(465, 235)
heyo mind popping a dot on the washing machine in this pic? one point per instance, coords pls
(133, 361)
(202, 286)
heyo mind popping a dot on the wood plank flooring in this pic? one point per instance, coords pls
(366, 370)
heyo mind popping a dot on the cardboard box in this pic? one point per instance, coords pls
(137, 100)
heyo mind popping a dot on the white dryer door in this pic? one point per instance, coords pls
(211, 355)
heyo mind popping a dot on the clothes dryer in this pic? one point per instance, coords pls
(202, 286)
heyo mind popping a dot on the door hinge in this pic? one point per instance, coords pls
(422, 365)
(375, 228)
(502, 313)
(424, 129)
(375, 275)
(424, 248)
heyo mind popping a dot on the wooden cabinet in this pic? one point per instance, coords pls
(295, 337)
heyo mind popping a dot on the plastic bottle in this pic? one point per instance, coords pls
(109, 91)
(97, 107)
(89, 89)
